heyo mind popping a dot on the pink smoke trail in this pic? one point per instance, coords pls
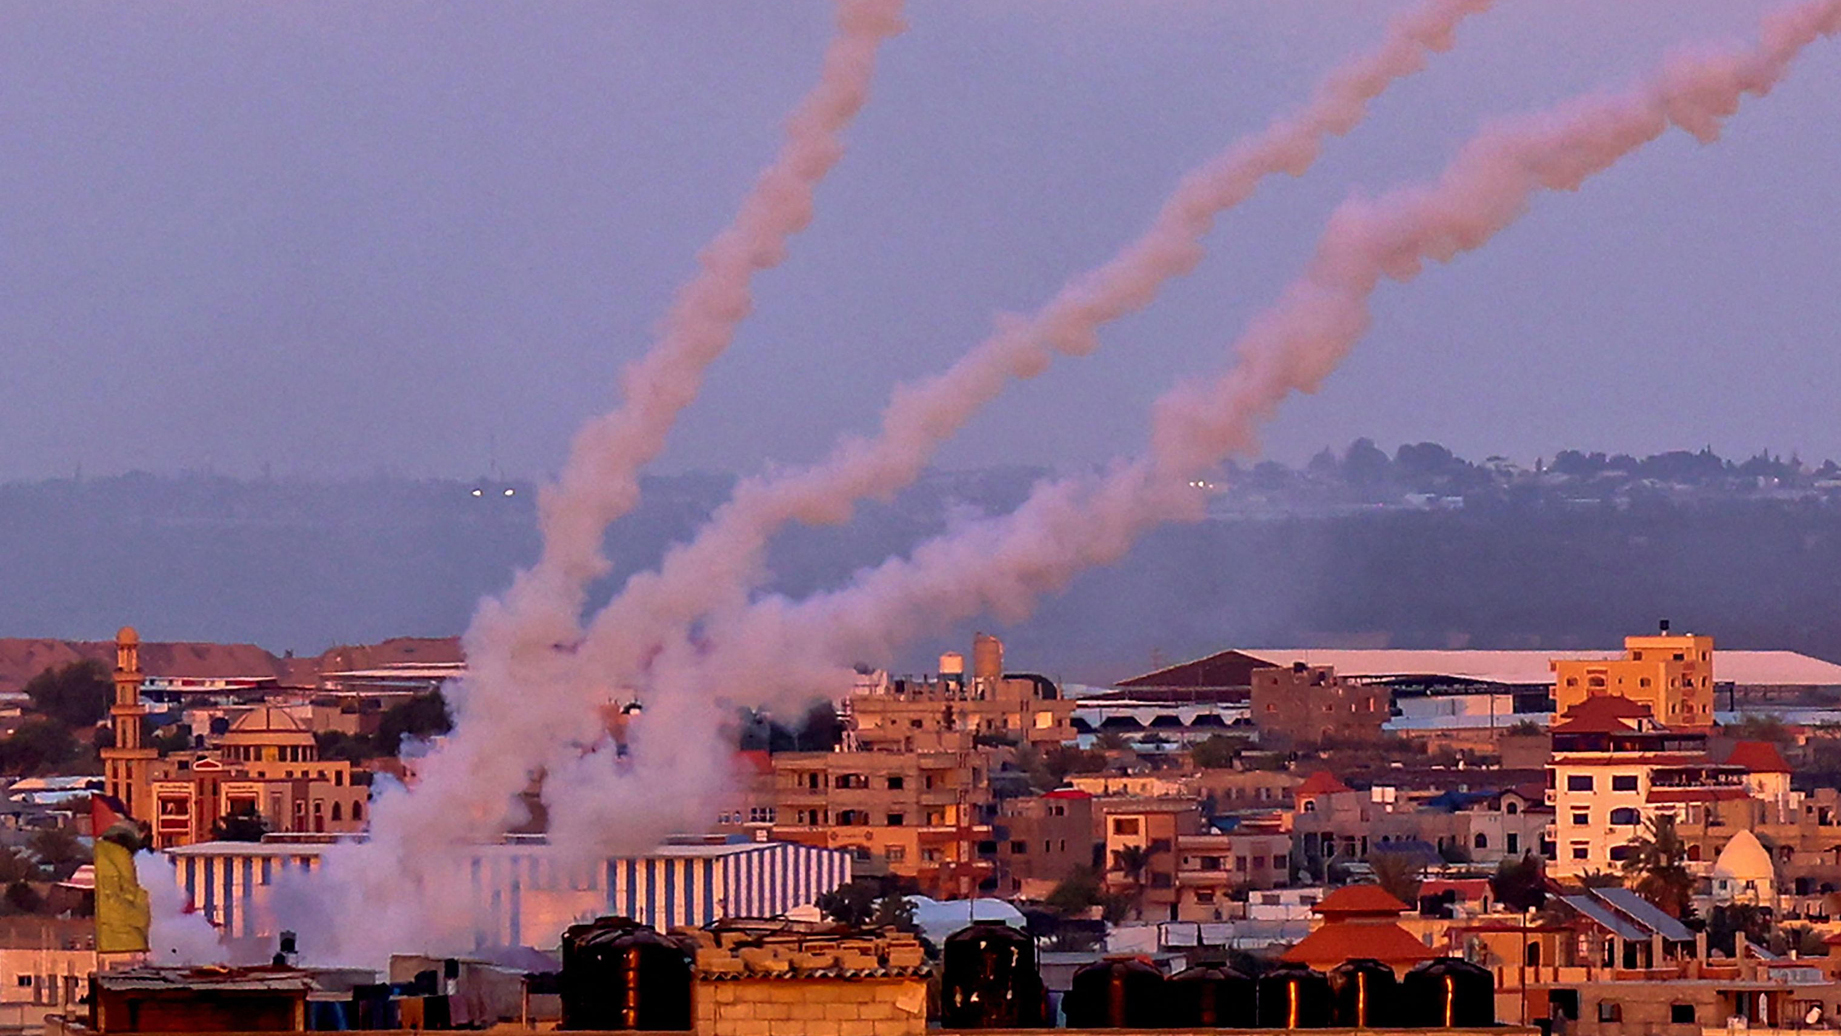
(717, 567)
(516, 646)
(1005, 565)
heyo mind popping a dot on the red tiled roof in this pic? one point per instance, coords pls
(1602, 714)
(1320, 783)
(1758, 757)
(754, 759)
(1359, 900)
(1466, 888)
(1067, 793)
(1335, 943)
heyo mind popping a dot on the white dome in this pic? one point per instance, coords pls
(1744, 859)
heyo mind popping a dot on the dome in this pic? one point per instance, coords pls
(265, 720)
(126, 635)
(1744, 859)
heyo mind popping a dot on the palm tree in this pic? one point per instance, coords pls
(1658, 862)
(1399, 873)
(1133, 861)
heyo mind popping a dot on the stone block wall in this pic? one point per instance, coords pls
(811, 1006)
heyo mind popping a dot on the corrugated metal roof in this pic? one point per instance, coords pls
(1605, 916)
(1646, 913)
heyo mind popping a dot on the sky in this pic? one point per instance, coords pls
(331, 239)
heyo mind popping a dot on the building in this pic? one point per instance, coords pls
(155, 999)
(266, 765)
(1042, 840)
(919, 815)
(947, 712)
(1359, 921)
(1306, 704)
(1744, 873)
(525, 894)
(1672, 674)
(1615, 768)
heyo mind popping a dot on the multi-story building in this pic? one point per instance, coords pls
(1672, 674)
(1614, 768)
(946, 712)
(1309, 704)
(266, 765)
(919, 815)
(1042, 840)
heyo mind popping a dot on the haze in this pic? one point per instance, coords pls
(341, 238)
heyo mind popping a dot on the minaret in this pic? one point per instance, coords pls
(128, 766)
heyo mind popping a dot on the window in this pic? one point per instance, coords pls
(337, 813)
(811, 781)
(1511, 807)
(1579, 850)
(1620, 853)
(1018, 848)
(1582, 817)
(1259, 863)
(1514, 845)
(1625, 815)
(897, 819)
(1125, 825)
(1610, 1011)
(1270, 707)
(1211, 863)
(1240, 864)
(1623, 782)
(26, 980)
(896, 854)
(1681, 1014)
(895, 783)
(1579, 782)
(357, 811)
(1204, 896)
(1482, 840)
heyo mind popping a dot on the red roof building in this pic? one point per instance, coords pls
(1758, 757)
(1359, 921)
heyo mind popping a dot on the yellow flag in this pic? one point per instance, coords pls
(122, 912)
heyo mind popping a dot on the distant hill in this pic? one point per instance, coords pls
(1418, 549)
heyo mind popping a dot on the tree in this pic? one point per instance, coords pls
(1727, 922)
(22, 898)
(424, 715)
(894, 912)
(1076, 893)
(169, 739)
(352, 748)
(1520, 884)
(1110, 741)
(1060, 760)
(38, 746)
(861, 901)
(15, 867)
(1759, 728)
(76, 695)
(1134, 863)
(59, 851)
(1399, 874)
(244, 825)
(1216, 752)
(1658, 862)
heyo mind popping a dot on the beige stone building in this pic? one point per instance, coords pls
(1672, 674)
(1307, 704)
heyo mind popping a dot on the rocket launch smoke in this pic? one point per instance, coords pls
(387, 893)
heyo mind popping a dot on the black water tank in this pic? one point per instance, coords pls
(1367, 994)
(1212, 996)
(619, 974)
(1118, 993)
(1294, 997)
(989, 979)
(1449, 993)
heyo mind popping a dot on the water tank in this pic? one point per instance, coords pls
(987, 660)
(619, 974)
(989, 979)
(1294, 997)
(952, 663)
(1212, 996)
(1449, 993)
(1367, 994)
(1116, 993)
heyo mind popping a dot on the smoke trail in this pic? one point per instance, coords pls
(1005, 565)
(513, 645)
(717, 567)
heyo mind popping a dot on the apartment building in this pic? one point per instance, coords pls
(944, 711)
(1671, 674)
(919, 815)
(1042, 840)
(1615, 767)
(1309, 704)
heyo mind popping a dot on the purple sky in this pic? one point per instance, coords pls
(348, 237)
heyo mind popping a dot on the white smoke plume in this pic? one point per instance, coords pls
(717, 568)
(516, 645)
(1004, 565)
(176, 935)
